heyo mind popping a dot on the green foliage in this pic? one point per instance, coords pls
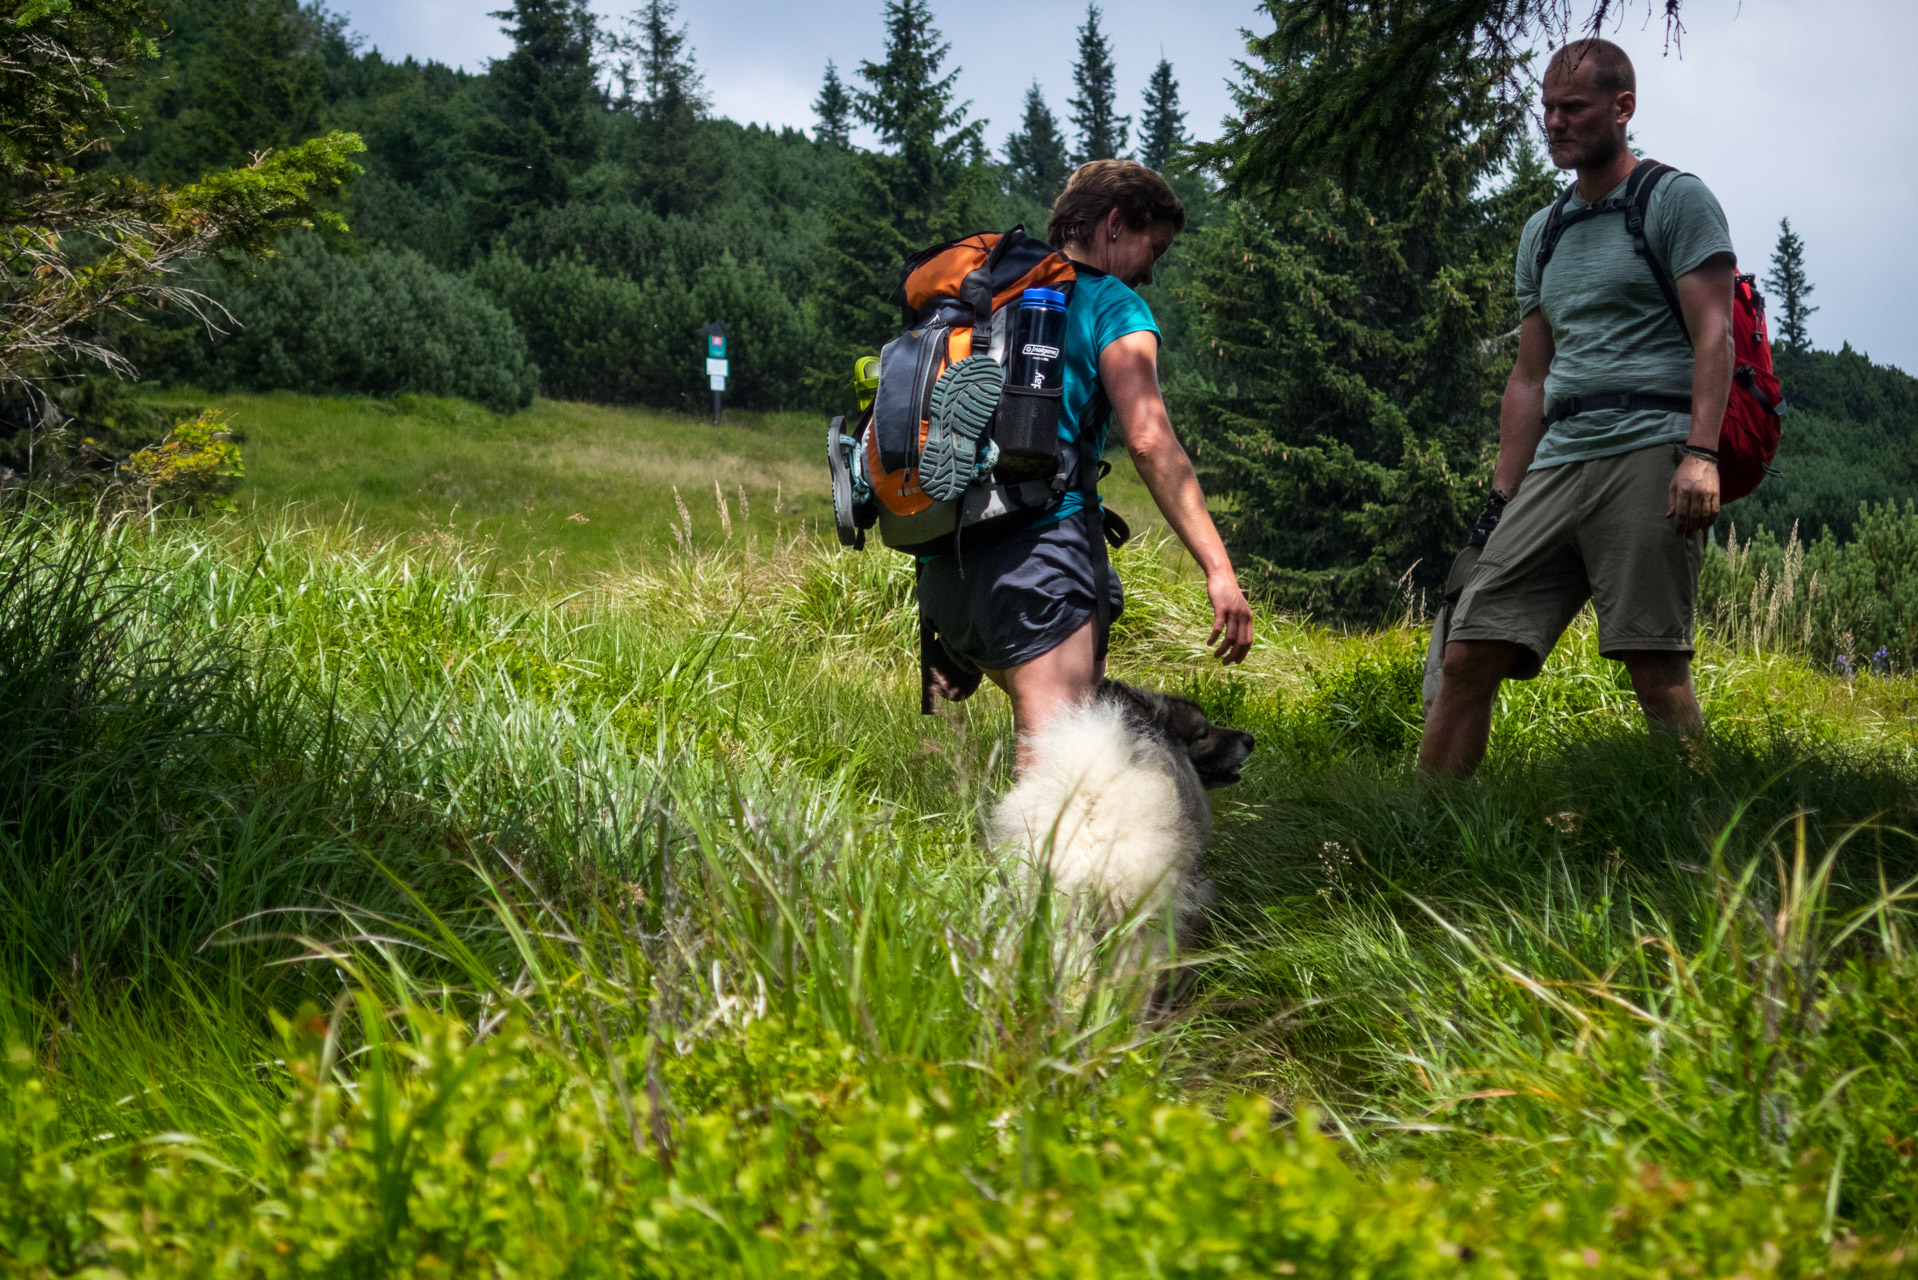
(1349, 356)
(83, 248)
(931, 168)
(705, 974)
(459, 1156)
(235, 77)
(608, 338)
(833, 108)
(1790, 288)
(427, 186)
(1036, 154)
(546, 106)
(1162, 125)
(196, 465)
(1101, 128)
(1381, 70)
(673, 171)
(378, 322)
(1852, 603)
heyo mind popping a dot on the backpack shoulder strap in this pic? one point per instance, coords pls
(1098, 413)
(1554, 228)
(1638, 200)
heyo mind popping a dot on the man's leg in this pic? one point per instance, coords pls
(1057, 680)
(1662, 679)
(1461, 721)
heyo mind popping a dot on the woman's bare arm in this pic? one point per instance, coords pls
(1129, 368)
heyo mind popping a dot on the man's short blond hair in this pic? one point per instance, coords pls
(1611, 67)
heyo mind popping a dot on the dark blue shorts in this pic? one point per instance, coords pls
(1011, 602)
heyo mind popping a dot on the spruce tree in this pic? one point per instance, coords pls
(674, 171)
(1036, 155)
(547, 105)
(1095, 111)
(1162, 126)
(929, 182)
(235, 77)
(1790, 288)
(1351, 337)
(833, 108)
(911, 106)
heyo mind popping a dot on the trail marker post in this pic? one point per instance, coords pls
(717, 365)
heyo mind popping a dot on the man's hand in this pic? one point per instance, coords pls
(1231, 635)
(1488, 519)
(1693, 503)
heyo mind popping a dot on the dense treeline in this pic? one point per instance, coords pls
(1337, 334)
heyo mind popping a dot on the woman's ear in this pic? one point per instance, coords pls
(1113, 225)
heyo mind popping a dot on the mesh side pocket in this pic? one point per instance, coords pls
(1027, 432)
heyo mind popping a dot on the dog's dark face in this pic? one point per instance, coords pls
(1216, 752)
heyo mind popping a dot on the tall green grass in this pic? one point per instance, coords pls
(372, 911)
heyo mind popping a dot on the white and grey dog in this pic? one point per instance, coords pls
(1114, 806)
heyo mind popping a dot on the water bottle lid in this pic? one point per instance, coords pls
(1042, 298)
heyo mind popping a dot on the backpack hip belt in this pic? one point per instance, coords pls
(1572, 406)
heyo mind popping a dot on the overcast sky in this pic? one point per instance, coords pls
(1799, 108)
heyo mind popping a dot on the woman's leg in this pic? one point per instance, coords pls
(1055, 681)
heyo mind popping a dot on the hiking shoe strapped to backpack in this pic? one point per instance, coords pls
(928, 445)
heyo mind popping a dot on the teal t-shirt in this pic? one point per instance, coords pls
(1102, 311)
(1611, 328)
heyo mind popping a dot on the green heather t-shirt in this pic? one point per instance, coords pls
(1102, 311)
(1611, 328)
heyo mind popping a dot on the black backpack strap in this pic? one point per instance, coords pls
(1638, 200)
(1555, 225)
(928, 640)
(1091, 428)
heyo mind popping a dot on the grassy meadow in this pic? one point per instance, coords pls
(368, 910)
(563, 490)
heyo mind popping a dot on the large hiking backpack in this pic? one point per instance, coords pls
(1748, 441)
(959, 301)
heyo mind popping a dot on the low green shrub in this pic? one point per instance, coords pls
(373, 323)
(608, 338)
(1852, 604)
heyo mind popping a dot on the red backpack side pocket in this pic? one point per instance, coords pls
(1749, 439)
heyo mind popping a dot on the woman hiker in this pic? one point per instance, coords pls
(1022, 610)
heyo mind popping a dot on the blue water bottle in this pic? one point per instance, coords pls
(1026, 427)
(1037, 333)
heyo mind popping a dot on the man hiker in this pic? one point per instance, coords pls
(1607, 474)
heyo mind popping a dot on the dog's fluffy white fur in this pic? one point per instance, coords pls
(1117, 815)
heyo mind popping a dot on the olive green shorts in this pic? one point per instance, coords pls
(1593, 530)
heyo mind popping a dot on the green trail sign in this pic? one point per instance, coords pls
(718, 368)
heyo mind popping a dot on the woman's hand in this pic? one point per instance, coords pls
(1129, 367)
(1231, 635)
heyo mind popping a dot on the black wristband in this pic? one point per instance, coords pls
(1700, 451)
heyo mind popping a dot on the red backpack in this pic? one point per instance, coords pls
(1748, 441)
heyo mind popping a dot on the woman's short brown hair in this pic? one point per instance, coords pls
(1095, 189)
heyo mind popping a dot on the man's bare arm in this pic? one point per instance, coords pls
(1705, 296)
(1521, 414)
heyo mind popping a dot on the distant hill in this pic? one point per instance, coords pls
(1850, 436)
